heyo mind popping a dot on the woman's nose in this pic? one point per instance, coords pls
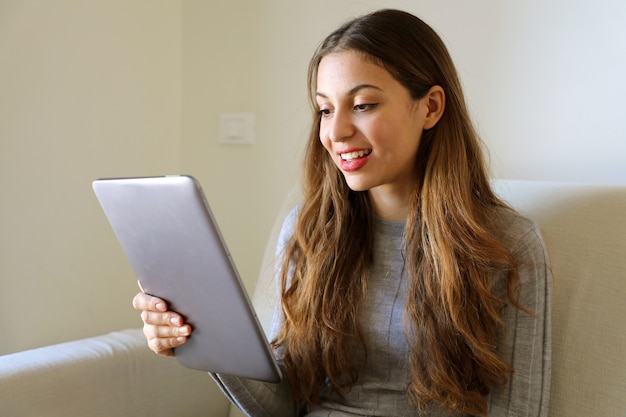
(341, 126)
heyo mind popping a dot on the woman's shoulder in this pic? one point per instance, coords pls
(520, 234)
(515, 230)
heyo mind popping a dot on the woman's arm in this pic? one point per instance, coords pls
(525, 342)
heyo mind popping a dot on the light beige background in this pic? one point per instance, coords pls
(134, 87)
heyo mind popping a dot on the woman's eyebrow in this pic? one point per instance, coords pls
(353, 90)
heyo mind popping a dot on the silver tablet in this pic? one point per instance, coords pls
(171, 239)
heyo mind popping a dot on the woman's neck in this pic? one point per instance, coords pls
(390, 205)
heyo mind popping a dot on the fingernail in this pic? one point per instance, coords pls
(176, 321)
(161, 306)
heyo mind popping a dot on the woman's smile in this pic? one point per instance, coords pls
(353, 160)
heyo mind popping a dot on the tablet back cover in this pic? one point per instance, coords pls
(169, 235)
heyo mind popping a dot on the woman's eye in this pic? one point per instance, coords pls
(324, 112)
(364, 107)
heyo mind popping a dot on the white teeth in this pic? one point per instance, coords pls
(349, 156)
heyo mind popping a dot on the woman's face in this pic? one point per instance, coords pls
(370, 125)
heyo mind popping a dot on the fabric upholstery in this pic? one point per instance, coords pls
(110, 375)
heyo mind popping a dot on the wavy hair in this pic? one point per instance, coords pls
(452, 315)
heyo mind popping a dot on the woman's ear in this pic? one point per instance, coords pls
(435, 100)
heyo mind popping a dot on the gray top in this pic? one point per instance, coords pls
(382, 384)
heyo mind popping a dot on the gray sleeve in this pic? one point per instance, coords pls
(256, 398)
(526, 342)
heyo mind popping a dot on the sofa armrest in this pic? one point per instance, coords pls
(109, 375)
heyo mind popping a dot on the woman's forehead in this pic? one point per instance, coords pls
(348, 67)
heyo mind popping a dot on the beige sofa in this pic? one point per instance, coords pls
(585, 230)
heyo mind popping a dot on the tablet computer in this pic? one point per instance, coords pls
(172, 241)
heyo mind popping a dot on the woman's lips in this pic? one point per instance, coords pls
(354, 159)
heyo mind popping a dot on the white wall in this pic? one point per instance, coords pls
(549, 90)
(87, 89)
(134, 87)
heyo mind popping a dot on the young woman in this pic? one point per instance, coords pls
(407, 287)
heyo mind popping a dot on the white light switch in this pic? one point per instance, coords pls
(236, 128)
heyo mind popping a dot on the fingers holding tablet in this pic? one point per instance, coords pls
(164, 329)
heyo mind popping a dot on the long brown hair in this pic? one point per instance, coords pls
(452, 315)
